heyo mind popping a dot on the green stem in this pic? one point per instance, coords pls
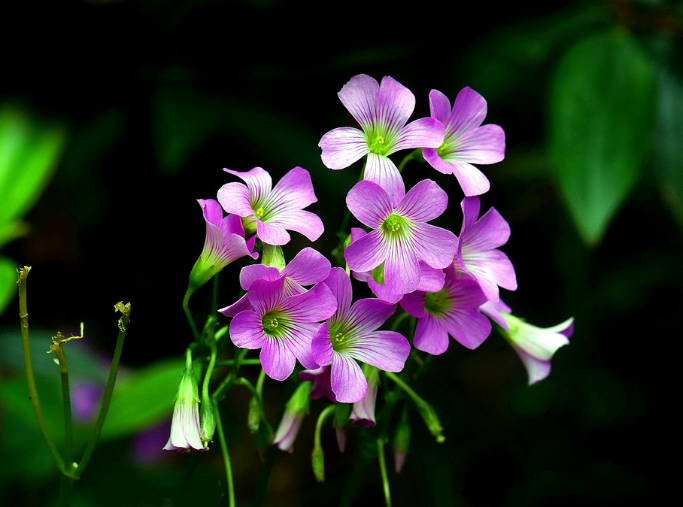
(230, 378)
(66, 401)
(383, 471)
(410, 156)
(28, 365)
(317, 457)
(244, 362)
(109, 389)
(190, 319)
(226, 456)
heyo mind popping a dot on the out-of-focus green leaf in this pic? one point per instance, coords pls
(29, 150)
(8, 282)
(601, 126)
(667, 156)
(143, 398)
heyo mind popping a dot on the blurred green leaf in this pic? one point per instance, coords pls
(8, 282)
(601, 126)
(29, 150)
(143, 398)
(667, 156)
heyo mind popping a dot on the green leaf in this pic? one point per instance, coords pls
(667, 156)
(143, 398)
(29, 150)
(601, 126)
(8, 282)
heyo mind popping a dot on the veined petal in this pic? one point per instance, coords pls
(536, 369)
(431, 335)
(424, 202)
(421, 133)
(231, 224)
(414, 304)
(340, 287)
(369, 203)
(381, 170)
(307, 267)
(272, 233)
(253, 272)
(435, 160)
(366, 315)
(347, 379)
(258, 181)
(484, 145)
(301, 221)
(380, 290)
(298, 338)
(359, 96)
(471, 179)
(313, 306)
(276, 359)
(321, 346)
(489, 232)
(431, 279)
(467, 326)
(401, 269)
(492, 269)
(264, 295)
(395, 104)
(470, 211)
(241, 305)
(235, 198)
(433, 245)
(213, 212)
(366, 253)
(439, 106)
(294, 190)
(386, 350)
(469, 111)
(246, 330)
(342, 147)
(495, 312)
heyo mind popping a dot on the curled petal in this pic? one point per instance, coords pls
(348, 382)
(369, 203)
(422, 133)
(359, 96)
(276, 359)
(381, 170)
(258, 181)
(342, 147)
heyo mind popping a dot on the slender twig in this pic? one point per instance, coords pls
(224, 451)
(28, 365)
(383, 471)
(190, 319)
(109, 389)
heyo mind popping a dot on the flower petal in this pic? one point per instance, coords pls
(235, 198)
(469, 111)
(272, 233)
(366, 315)
(369, 203)
(307, 267)
(258, 181)
(321, 345)
(421, 133)
(439, 106)
(301, 221)
(467, 326)
(294, 190)
(340, 286)
(484, 145)
(386, 350)
(435, 246)
(395, 104)
(359, 96)
(424, 202)
(366, 253)
(342, 147)
(381, 170)
(246, 330)
(431, 335)
(276, 359)
(401, 269)
(313, 306)
(348, 382)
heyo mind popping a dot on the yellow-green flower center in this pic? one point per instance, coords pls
(437, 303)
(274, 324)
(393, 224)
(378, 144)
(259, 213)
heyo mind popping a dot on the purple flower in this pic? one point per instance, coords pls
(477, 249)
(382, 112)
(224, 243)
(363, 412)
(185, 430)
(401, 237)
(273, 211)
(308, 267)
(321, 383)
(350, 335)
(282, 327)
(295, 411)
(431, 280)
(454, 311)
(536, 346)
(465, 141)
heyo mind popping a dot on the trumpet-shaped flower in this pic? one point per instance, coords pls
(295, 411)
(382, 112)
(478, 253)
(224, 243)
(273, 211)
(350, 334)
(466, 141)
(536, 346)
(401, 236)
(454, 311)
(282, 327)
(363, 411)
(308, 267)
(185, 429)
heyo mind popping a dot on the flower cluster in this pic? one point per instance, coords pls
(304, 311)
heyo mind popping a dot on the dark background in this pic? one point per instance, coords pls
(159, 96)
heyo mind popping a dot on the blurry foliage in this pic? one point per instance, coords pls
(591, 97)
